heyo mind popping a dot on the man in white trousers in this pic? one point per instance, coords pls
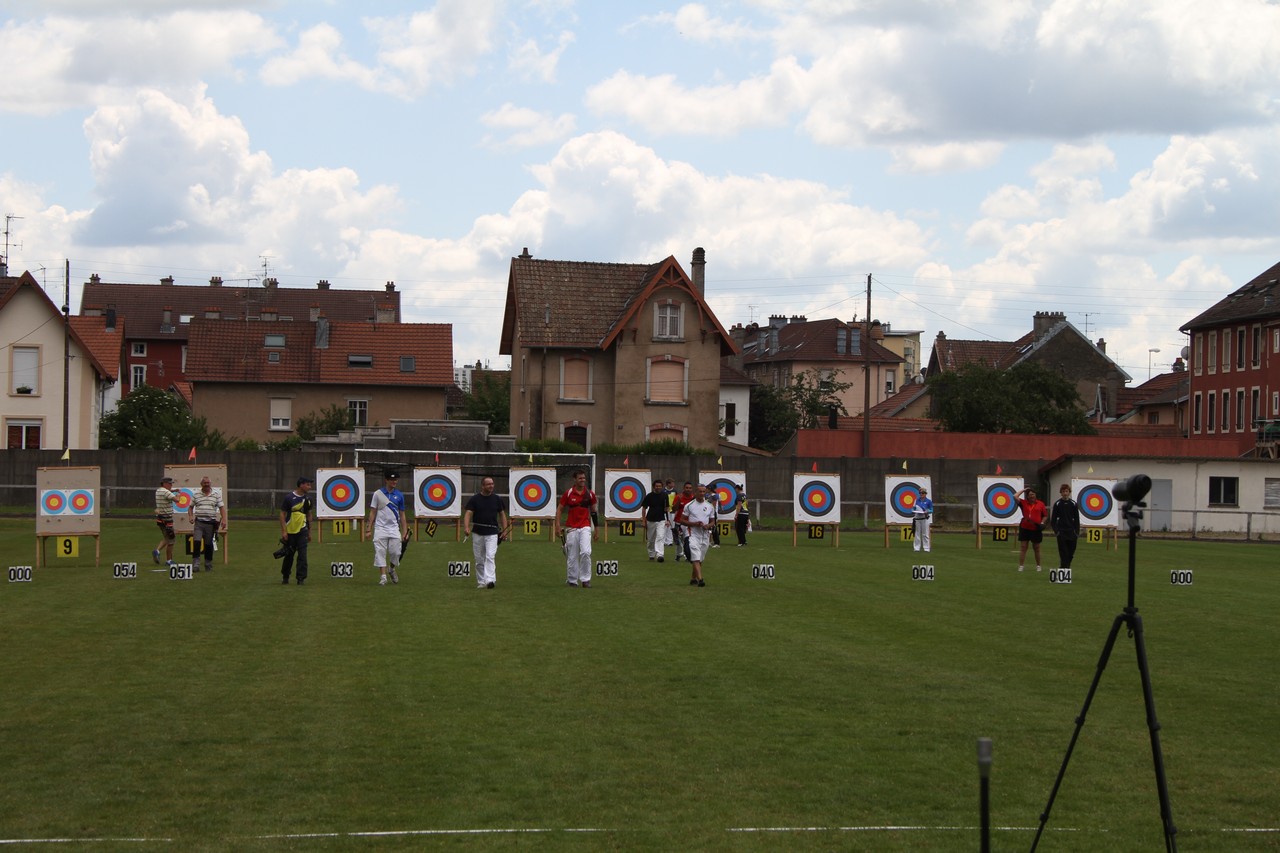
(386, 525)
(699, 517)
(921, 520)
(654, 515)
(486, 522)
(577, 506)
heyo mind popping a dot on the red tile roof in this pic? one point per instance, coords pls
(816, 340)
(232, 351)
(106, 347)
(1257, 300)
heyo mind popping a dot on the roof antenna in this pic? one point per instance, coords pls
(4, 259)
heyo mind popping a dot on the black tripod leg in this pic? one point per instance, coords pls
(1084, 710)
(1153, 726)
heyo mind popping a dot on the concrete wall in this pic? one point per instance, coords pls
(927, 444)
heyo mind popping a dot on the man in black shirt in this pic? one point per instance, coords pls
(655, 521)
(485, 521)
(1065, 521)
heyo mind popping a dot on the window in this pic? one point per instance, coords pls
(1224, 491)
(576, 433)
(359, 410)
(1195, 413)
(138, 349)
(185, 318)
(361, 361)
(273, 341)
(1197, 353)
(666, 432)
(1153, 417)
(25, 370)
(666, 321)
(1226, 410)
(137, 376)
(889, 379)
(22, 435)
(667, 380)
(1211, 419)
(909, 365)
(281, 413)
(1240, 348)
(1240, 410)
(1271, 493)
(1275, 404)
(575, 378)
(1255, 414)
(184, 358)
(730, 419)
(408, 364)
(1211, 358)
(1275, 341)
(1255, 351)
(1226, 351)
(273, 358)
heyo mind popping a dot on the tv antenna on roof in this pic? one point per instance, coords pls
(4, 259)
(1087, 315)
(266, 265)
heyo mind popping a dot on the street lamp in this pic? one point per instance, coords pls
(1149, 352)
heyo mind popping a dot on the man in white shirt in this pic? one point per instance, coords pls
(699, 516)
(386, 522)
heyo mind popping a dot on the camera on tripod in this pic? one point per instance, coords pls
(1133, 489)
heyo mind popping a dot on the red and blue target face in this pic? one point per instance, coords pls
(999, 501)
(185, 497)
(817, 498)
(341, 494)
(53, 502)
(1096, 503)
(626, 494)
(437, 493)
(81, 502)
(904, 497)
(533, 493)
(725, 493)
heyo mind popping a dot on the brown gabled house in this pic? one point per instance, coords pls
(159, 316)
(254, 380)
(618, 353)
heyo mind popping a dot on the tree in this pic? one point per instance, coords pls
(330, 420)
(490, 400)
(151, 419)
(776, 413)
(1027, 398)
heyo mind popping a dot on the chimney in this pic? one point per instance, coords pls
(799, 318)
(215, 281)
(271, 283)
(322, 284)
(391, 287)
(268, 315)
(1102, 345)
(525, 256)
(699, 266)
(95, 279)
(1179, 366)
(877, 331)
(322, 333)
(385, 314)
(315, 313)
(167, 281)
(111, 319)
(1045, 321)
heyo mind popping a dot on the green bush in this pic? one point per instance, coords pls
(665, 447)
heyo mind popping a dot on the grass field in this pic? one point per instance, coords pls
(835, 707)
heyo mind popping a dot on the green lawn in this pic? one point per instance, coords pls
(842, 698)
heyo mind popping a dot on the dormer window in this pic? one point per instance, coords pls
(666, 321)
(273, 341)
(363, 361)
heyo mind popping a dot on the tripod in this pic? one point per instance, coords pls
(1129, 616)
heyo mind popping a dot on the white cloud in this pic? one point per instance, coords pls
(694, 22)
(947, 157)
(533, 63)
(525, 127)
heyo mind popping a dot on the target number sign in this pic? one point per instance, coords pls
(124, 571)
(1093, 534)
(459, 568)
(342, 570)
(817, 531)
(1060, 576)
(180, 572)
(626, 528)
(906, 534)
(68, 546)
(606, 568)
(999, 534)
(19, 574)
(1180, 577)
(922, 573)
(532, 526)
(763, 572)
(432, 527)
(725, 528)
(341, 527)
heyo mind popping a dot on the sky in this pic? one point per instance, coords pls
(1118, 162)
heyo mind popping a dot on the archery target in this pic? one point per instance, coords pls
(725, 487)
(81, 502)
(624, 493)
(997, 504)
(185, 497)
(817, 499)
(53, 502)
(339, 492)
(900, 496)
(532, 492)
(438, 492)
(1097, 505)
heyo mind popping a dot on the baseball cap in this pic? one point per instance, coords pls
(305, 479)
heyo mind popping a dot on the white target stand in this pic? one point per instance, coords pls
(67, 508)
(339, 498)
(437, 499)
(816, 506)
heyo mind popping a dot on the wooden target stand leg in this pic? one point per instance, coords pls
(41, 538)
(357, 520)
(834, 539)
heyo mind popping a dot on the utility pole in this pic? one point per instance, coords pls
(866, 376)
(66, 358)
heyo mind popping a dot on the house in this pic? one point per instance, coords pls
(41, 410)
(1235, 363)
(1160, 400)
(618, 353)
(904, 343)
(159, 316)
(774, 354)
(1056, 344)
(256, 379)
(735, 404)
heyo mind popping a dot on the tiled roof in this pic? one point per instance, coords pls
(1259, 299)
(144, 304)
(816, 340)
(568, 303)
(182, 388)
(904, 397)
(231, 351)
(953, 354)
(1159, 390)
(106, 347)
(730, 375)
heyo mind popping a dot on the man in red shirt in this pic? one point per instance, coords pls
(682, 500)
(577, 505)
(1031, 528)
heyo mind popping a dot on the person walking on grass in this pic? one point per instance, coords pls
(577, 506)
(699, 516)
(208, 515)
(386, 525)
(1065, 521)
(295, 528)
(165, 499)
(486, 522)
(1031, 528)
(654, 515)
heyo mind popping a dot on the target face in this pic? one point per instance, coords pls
(532, 492)
(1097, 506)
(341, 494)
(998, 501)
(900, 497)
(185, 497)
(437, 492)
(817, 499)
(724, 487)
(625, 494)
(81, 502)
(53, 502)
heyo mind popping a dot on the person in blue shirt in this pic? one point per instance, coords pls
(921, 520)
(385, 524)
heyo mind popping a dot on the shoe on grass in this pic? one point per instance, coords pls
(382, 581)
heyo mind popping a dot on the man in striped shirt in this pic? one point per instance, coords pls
(209, 517)
(165, 498)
